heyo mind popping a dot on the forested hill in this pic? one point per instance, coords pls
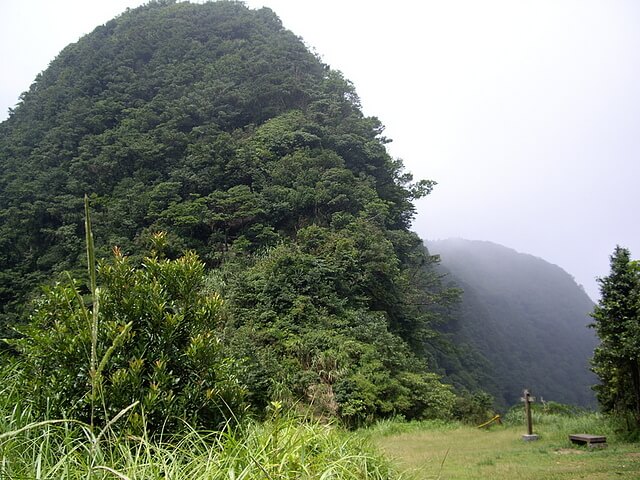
(215, 125)
(527, 317)
(211, 122)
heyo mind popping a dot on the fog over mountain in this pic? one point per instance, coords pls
(526, 317)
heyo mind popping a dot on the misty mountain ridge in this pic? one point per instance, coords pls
(527, 317)
(498, 249)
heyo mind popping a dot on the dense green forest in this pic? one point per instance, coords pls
(211, 129)
(526, 319)
(253, 243)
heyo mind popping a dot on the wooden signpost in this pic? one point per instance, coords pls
(527, 398)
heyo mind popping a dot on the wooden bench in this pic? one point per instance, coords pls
(591, 441)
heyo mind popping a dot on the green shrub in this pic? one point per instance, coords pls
(159, 342)
(473, 408)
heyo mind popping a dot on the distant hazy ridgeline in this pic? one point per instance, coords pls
(526, 317)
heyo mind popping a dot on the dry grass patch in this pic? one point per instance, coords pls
(466, 453)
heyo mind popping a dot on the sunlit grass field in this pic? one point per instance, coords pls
(450, 451)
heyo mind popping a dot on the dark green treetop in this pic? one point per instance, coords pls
(616, 360)
(216, 125)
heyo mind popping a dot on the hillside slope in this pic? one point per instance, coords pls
(211, 128)
(527, 317)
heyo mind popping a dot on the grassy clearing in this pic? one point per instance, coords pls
(432, 451)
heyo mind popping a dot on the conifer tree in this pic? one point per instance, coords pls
(617, 322)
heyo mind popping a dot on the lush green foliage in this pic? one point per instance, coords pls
(216, 125)
(159, 343)
(210, 122)
(282, 447)
(616, 360)
(475, 408)
(523, 322)
(318, 304)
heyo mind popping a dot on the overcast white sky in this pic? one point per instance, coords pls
(525, 112)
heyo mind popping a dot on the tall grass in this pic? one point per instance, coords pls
(303, 450)
(555, 424)
(283, 447)
(397, 426)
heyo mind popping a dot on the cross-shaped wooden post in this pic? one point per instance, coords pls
(527, 398)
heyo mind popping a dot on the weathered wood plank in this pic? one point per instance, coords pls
(588, 439)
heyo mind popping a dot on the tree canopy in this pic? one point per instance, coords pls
(616, 360)
(215, 125)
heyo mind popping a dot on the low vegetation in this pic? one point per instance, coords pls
(447, 450)
(284, 446)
